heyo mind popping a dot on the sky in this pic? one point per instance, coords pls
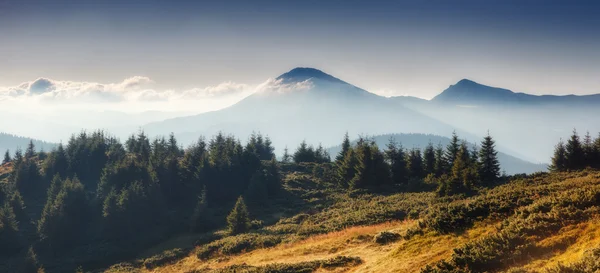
(219, 51)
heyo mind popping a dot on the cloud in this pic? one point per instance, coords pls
(137, 88)
(278, 86)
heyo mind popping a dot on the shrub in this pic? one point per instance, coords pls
(386, 237)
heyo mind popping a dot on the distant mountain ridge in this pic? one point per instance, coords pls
(12, 143)
(469, 92)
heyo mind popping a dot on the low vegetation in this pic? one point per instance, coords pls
(220, 206)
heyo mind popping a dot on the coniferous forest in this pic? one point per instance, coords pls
(96, 201)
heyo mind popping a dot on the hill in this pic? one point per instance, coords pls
(510, 164)
(11, 142)
(424, 234)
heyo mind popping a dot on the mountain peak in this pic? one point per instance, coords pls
(299, 74)
(465, 82)
(468, 91)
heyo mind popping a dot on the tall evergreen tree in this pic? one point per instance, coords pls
(346, 168)
(395, 156)
(6, 157)
(345, 148)
(559, 159)
(429, 159)
(440, 162)
(286, 158)
(371, 168)
(588, 150)
(9, 231)
(574, 153)
(30, 151)
(415, 164)
(64, 214)
(452, 150)
(489, 166)
(238, 220)
(199, 218)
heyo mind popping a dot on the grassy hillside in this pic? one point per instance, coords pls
(538, 223)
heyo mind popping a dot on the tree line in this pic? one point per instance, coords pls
(98, 193)
(455, 168)
(576, 154)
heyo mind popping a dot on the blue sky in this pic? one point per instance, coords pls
(389, 47)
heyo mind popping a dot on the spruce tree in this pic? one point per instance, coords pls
(64, 214)
(415, 164)
(345, 148)
(257, 191)
(396, 158)
(9, 231)
(489, 166)
(6, 157)
(574, 153)
(286, 158)
(588, 150)
(238, 220)
(559, 159)
(440, 162)
(452, 150)
(30, 152)
(429, 159)
(199, 218)
(346, 169)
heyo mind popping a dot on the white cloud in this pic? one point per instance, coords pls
(137, 88)
(279, 86)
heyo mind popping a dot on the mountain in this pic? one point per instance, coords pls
(467, 92)
(12, 142)
(304, 103)
(508, 163)
(528, 126)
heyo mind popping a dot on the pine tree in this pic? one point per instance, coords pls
(429, 159)
(596, 157)
(345, 148)
(489, 166)
(18, 158)
(257, 191)
(396, 158)
(64, 214)
(440, 162)
(286, 158)
(574, 153)
(588, 150)
(6, 157)
(346, 168)
(199, 218)
(559, 160)
(371, 168)
(9, 231)
(452, 150)
(415, 164)
(30, 152)
(238, 220)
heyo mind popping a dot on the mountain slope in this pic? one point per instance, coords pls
(508, 163)
(12, 142)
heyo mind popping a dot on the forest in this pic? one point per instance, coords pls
(95, 201)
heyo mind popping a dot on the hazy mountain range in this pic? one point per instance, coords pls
(308, 104)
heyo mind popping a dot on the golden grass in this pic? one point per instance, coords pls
(581, 237)
(401, 256)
